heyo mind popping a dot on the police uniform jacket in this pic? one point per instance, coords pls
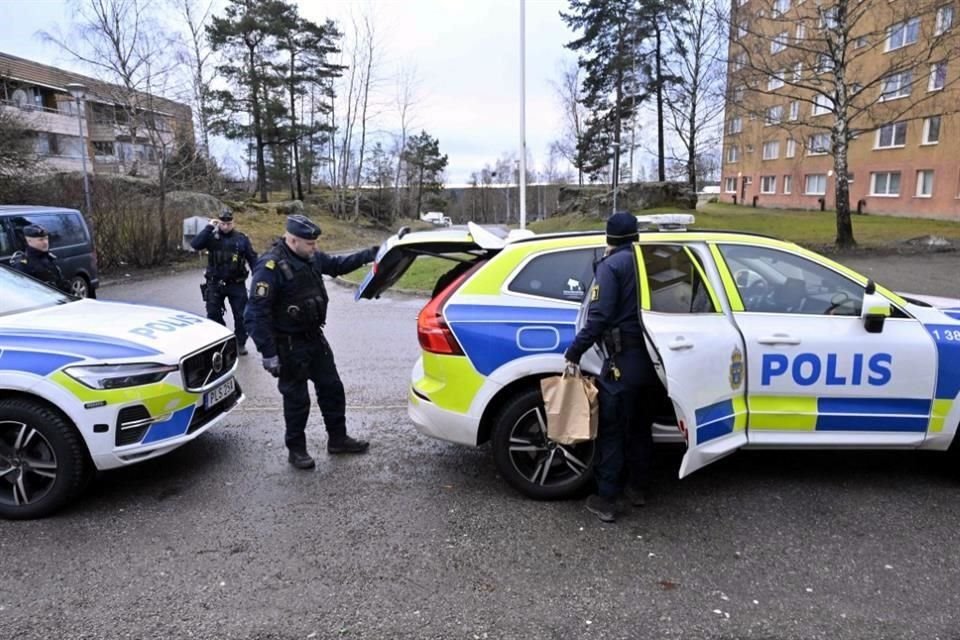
(41, 265)
(614, 303)
(226, 253)
(287, 294)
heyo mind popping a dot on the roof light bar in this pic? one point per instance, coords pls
(665, 222)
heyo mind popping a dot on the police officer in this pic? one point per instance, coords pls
(37, 261)
(624, 440)
(285, 318)
(229, 252)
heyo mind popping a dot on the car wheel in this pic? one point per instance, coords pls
(79, 287)
(43, 463)
(533, 464)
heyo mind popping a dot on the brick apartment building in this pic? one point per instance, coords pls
(898, 60)
(120, 131)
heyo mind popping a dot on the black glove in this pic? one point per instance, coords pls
(272, 364)
(373, 252)
(572, 357)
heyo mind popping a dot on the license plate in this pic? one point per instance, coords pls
(219, 394)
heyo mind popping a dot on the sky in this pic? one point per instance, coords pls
(465, 53)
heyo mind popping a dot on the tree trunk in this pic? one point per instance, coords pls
(419, 191)
(845, 238)
(661, 159)
(257, 126)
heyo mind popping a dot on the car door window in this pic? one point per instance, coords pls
(774, 281)
(6, 247)
(561, 275)
(675, 280)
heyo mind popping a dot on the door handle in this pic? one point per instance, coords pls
(778, 338)
(679, 343)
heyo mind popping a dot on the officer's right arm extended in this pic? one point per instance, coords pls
(603, 300)
(202, 239)
(258, 316)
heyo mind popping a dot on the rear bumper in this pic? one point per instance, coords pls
(435, 422)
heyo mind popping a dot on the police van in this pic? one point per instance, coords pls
(88, 385)
(758, 342)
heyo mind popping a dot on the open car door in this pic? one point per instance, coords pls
(696, 349)
(463, 244)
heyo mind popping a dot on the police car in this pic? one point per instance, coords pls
(87, 385)
(758, 343)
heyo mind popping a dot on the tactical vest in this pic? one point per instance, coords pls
(225, 259)
(41, 267)
(304, 301)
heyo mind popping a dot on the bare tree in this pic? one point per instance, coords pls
(368, 58)
(196, 54)
(570, 94)
(405, 101)
(695, 105)
(829, 73)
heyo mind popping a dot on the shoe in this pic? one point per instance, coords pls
(243, 351)
(346, 444)
(301, 460)
(603, 508)
(635, 497)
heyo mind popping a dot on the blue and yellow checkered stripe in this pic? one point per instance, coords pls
(805, 413)
(720, 419)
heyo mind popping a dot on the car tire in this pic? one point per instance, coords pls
(80, 288)
(43, 461)
(532, 464)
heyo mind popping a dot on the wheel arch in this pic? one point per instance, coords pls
(500, 399)
(16, 394)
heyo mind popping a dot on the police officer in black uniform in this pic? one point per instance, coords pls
(285, 318)
(229, 252)
(37, 261)
(624, 440)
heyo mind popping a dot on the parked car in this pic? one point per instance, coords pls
(758, 343)
(88, 385)
(70, 240)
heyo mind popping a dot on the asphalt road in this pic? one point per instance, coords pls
(420, 539)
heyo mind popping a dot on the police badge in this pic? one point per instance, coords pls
(736, 368)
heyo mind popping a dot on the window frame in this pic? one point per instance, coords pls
(886, 95)
(507, 286)
(904, 28)
(926, 130)
(806, 184)
(920, 183)
(893, 128)
(771, 144)
(874, 175)
(697, 260)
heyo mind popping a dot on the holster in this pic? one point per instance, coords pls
(203, 291)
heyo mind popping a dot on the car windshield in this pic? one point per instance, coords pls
(19, 293)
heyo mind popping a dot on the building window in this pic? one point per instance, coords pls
(737, 95)
(890, 136)
(775, 81)
(791, 148)
(797, 71)
(768, 184)
(103, 149)
(821, 105)
(944, 19)
(779, 42)
(885, 183)
(924, 183)
(931, 130)
(860, 42)
(739, 61)
(815, 184)
(787, 185)
(801, 32)
(818, 144)
(938, 76)
(733, 154)
(730, 185)
(903, 34)
(824, 63)
(735, 125)
(774, 115)
(794, 110)
(897, 86)
(828, 18)
(741, 29)
(771, 150)
(780, 7)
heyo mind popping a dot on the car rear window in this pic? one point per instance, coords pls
(561, 275)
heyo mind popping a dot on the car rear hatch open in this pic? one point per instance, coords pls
(461, 245)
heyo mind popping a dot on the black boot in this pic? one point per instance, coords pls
(301, 460)
(346, 444)
(603, 508)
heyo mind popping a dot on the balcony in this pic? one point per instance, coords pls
(43, 118)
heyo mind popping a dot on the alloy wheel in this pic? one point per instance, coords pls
(542, 461)
(28, 464)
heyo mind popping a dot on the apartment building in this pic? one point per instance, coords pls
(893, 63)
(120, 131)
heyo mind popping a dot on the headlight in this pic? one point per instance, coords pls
(118, 376)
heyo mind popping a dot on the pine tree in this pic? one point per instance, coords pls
(425, 164)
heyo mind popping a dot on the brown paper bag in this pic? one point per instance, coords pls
(572, 405)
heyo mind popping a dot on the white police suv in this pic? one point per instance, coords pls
(88, 385)
(758, 342)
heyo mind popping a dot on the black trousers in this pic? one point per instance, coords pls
(624, 437)
(236, 293)
(309, 359)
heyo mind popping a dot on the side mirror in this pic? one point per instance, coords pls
(875, 310)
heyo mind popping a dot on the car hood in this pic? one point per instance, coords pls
(111, 330)
(937, 302)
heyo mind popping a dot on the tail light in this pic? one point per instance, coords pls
(432, 331)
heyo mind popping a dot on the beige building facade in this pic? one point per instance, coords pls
(119, 131)
(900, 66)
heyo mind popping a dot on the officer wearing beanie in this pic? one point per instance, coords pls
(285, 318)
(37, 261)
(229, 253)
(624, 439)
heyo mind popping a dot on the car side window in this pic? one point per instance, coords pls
(675, 281)
(774, 281)
(561, 275)
(6, 247)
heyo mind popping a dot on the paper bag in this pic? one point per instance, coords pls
(572, 406)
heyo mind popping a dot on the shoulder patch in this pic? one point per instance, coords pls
(270, 264)
(595, 293)
(261, 289)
